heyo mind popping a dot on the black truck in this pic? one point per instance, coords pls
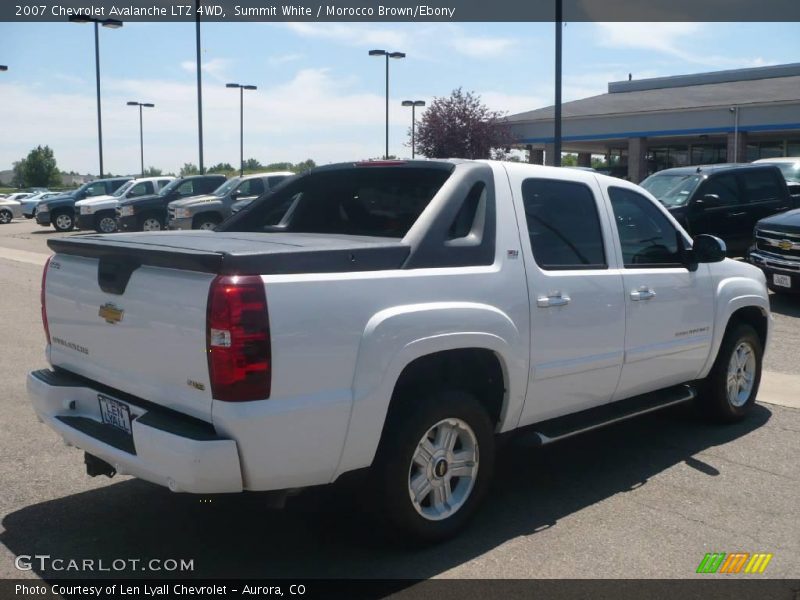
(149, 213)
(60, 211)
(725, 200)
(777, 250)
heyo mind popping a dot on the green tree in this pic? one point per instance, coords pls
(251, 164)
(460, 126)
(569, 160)
(189, 169)
(18, 179)
(152, 172)
(221, 168)
(40, 168)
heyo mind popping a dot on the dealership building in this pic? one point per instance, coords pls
(646, 125)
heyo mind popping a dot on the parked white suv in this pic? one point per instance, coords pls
(100, 212)
(394, 315)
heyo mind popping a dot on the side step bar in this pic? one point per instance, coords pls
(554, 430)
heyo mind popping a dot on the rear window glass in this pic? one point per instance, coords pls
(369, 201)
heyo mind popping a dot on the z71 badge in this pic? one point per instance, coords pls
(110, 313)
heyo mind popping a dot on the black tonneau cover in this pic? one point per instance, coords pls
(237, 253)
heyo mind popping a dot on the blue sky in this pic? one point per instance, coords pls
(320, 95)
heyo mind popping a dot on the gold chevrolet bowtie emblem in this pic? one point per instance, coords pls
(110, 313)
(785, 245)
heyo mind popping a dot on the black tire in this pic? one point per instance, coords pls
(715, 399)
(63, 221)
(150, 221)
(6, 216)
(207, 221)
(394, 464)
(105, 223)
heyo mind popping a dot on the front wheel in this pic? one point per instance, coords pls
(5, 216)
(732, 385)
(106, 224)
(150, 223)
(434, 464)
(63, 222)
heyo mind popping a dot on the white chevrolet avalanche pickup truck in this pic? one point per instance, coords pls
(392, 315)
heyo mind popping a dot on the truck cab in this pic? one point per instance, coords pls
(149, 212)
(99, 213)
(60, 211)
(206, 212)
(724, 200)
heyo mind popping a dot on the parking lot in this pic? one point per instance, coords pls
(643, 499)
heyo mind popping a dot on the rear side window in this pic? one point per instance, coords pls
(646, 236)
(369, 201)
(563, 225)
(275, 180)
(760, 186)
(163, 182)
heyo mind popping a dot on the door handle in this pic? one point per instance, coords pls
(556, 299)
(643, 293)
(736, 214)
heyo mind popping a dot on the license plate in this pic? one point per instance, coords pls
(115, 413)
(782, 280)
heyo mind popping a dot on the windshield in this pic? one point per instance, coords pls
(226, 187)
(791, 171)
(672, 189)
(124, 188)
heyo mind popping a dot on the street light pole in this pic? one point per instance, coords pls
(241, 88)
(413, 104)
(199, 84)
(557, 120)
(111, 24)
(388, 55)
(141, 135)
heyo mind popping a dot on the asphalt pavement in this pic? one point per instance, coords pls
(643, 499)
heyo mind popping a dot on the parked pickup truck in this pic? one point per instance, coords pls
(394, 315)
(149, 213)
(100, 213)
(206, 212)
(60, 211)
(777, 251)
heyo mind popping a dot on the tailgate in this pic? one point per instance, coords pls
(149, 340)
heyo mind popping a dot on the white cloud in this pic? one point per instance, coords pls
(481, 47)
(315, 114)
(679, 40)
(281, 59)
(350, 34)
(216, 67)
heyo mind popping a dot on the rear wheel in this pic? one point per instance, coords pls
(63, 221)
(434, 464)
(6, 216)
(150, 223)
(732, 385)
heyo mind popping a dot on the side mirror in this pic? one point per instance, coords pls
(708, 249)
(235, 195)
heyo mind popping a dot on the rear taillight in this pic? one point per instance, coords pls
(44, 304)
(238, 339)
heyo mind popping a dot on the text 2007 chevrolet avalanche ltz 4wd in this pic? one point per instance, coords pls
(393, 315)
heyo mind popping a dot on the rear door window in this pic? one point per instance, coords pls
(369, 201)
(563, 225)
(760, 186)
